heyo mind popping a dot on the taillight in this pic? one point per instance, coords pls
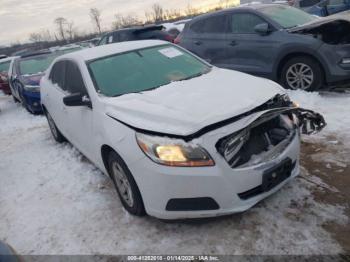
(169, 38)
(177, 39)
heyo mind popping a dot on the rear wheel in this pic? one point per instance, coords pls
(57, 135)
(303, 73)
(125, 185)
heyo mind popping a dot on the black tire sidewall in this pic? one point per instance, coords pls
(59, 138)
(315, 67)
(138, 208)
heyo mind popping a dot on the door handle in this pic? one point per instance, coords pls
(197, 42)
(233, 43)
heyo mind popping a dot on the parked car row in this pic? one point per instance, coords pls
(179, 137)
(20, 76)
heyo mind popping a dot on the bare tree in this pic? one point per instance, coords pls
(149, 17)
(41, 36)
(61, 23)
(171, 14)
(157, 12)
(121, 21)
(190, 10)
(71, 32)
(95, 16)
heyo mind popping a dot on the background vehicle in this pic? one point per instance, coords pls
(136, 33)
(272, 41)
(25, 75)
(143, 113)
(322, 7)
(4, 81)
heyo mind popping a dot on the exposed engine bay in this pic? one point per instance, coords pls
(333, 31)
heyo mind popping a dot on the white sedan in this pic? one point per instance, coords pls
(179, 137)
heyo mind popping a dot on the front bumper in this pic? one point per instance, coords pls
(221, 183)
(32, 100)
(337, 73)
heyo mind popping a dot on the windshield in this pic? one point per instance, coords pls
(4, 67)
(144, 69)
(287, 16)
(36, 64)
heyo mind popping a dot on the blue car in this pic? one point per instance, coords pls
(25, 74)
(323, 7)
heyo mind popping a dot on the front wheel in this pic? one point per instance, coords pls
(303, 73)
(125, 185)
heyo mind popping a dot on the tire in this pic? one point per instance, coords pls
(15, 99)
(125, 185)
(303, 73)
(23, 101)
(57, 135)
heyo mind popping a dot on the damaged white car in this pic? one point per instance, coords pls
(179, 137)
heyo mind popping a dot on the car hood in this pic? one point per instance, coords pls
(33, 80)
(321, 21)
(185, 107)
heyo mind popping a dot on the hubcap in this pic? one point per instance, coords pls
(52, 125)
(122, 183)
(300, 76)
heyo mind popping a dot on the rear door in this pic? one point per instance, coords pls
(247, 50)
(207, 39)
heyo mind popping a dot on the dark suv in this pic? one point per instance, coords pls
(274, 41)
(136, 33)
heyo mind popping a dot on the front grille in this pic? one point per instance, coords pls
(262, 141)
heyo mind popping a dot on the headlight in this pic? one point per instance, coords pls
(173, 152)
(31, 88)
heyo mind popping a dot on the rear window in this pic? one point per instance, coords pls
(144, 69)
(36, 64)
(4, 67)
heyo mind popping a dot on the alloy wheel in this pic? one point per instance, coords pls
(122, 183)
(300, 76)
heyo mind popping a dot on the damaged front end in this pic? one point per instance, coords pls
(334, 30)
(268, 136)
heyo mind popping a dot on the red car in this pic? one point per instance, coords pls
(4, 81)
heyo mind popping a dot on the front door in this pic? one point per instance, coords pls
(249, 51)
(78, 119)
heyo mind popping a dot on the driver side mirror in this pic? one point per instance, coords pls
(77, 99)
(262, 29)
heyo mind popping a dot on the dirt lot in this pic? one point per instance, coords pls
(52, 201)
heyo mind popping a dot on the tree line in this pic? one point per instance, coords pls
(66, 31)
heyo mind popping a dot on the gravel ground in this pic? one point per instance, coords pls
(53, 201)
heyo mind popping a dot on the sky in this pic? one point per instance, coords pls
(19, 18)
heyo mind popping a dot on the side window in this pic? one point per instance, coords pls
(215, 24)
(336, 2)
(124, 36)
(245, 23)
(113, 38)
(74, 80)
(57, 74)
(308, 3)
(103, 41)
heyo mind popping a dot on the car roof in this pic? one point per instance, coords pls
(244, 7)
(111, 49)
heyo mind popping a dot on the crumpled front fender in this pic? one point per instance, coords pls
(310, 122)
